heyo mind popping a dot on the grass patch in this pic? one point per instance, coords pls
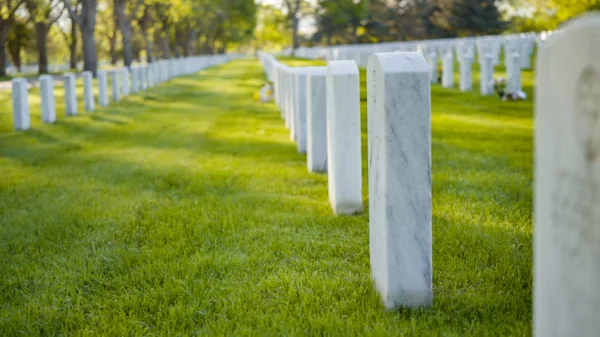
(185, 210)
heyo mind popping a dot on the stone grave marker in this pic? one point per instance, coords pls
(566, 300)
(400, 204)
(343, 137)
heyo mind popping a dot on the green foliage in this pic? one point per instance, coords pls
(20, 37)
(551, 13)
(272, 32)
(186, 210)
(476, 17)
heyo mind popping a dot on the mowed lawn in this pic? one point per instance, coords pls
(185, 210)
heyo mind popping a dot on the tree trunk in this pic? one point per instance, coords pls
(166, 38)
(88, 27)
(112, 48)
(41, 35)
(73, 47)
(355, 34)
(124, 25)
(148, 46)
(295, 41)
(3, 38)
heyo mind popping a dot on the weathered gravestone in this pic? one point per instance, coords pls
(114, 79)
(466, 73)
(343, 137)
(316, 111)
(20, 104)
(433, 63)
(567, 182)
(291, 116)
(300, 108)
(135, 80)
(126, 81)
(48, 101)
(70, 95)
(143, 77)
(88, 91)
(513, 83)
(400, 237)
(102, 88)
(448, 70)
(486, 74)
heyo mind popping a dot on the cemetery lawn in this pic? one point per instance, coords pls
(185, 210)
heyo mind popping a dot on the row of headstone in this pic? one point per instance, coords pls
(321, 108)
(566, 301)
(124, 81)
(518, 49)
(522, 44)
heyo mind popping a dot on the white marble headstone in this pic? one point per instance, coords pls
(114, 79)
(126, 80)
(486, 75)
(102, 88)
(566, 299)
(466, 73)
(70, 95)
(20, 103)
(513, 83)
(88, 91)
(316, 111)
(448, 71)
(400, 235)
(343, 137)
(433, 63)
(47, 97)
(300, 108)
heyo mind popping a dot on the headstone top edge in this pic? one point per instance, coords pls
(400, 62)
(342, 67)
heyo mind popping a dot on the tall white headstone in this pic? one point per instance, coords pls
(20, 103)
(48, 101)
(448, 70)
(88, 91)
(400, 235)
(126, 81)
(566, 300)
(433, 63)
(513, 83)
(70, 95)
(300, 109)
(102, 88)
(343, 137)
(466, 73)
(114, 79)
(316, 120)
(292, 104)
(134, 79)
(486, 75)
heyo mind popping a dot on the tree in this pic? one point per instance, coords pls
(70, 39)
(271, 31)
(476, 17)
(125, 11)
(107, 28)
(162, 11)
(144, 22)
(8, 9)
(43, 14)
(549, 14)
(86, 20)
(18, 39)
(293, 11)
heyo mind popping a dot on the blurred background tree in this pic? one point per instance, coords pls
(123, 31)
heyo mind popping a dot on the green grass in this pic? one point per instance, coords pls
(185, 210)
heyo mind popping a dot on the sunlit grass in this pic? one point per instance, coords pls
(186, 210)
